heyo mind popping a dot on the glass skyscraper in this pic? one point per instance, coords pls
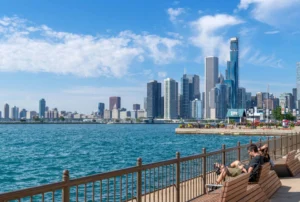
(298, 83)
(185, 97)
(232, 72)
(42, 108)
(101, 107)
(153, 99)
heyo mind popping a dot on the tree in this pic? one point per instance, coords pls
(62, 118)
(277, 114)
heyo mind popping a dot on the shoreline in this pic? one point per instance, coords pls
(236, 131)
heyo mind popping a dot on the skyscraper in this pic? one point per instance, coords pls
(114, 102)
(259, 100)
(232, 72)
(211, 79)
(298, 82)
(42, 108)
(15, 113)
(221, 100)
(295, 98)
(196, 109)
(170, 98)
(23, 113)
(153, 99)
(6, 111)
(185, 97)
(242, 98)
(101, 107)
(194, 87)
(248, 100)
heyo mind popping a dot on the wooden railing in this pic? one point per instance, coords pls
(179, 179)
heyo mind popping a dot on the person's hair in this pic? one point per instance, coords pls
(252, 148)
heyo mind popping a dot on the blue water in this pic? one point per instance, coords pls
(32, 155)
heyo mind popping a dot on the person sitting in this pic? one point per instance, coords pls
(236, 167)
(264, 151)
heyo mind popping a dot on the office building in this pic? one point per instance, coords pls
(133, 114)
(194, 87)
(259, 100)
(170, 99)
(213, 103)
(141, 114)
(125, 114)
(14, 113)
(196, 109)
(232, 72)
(115, 113)
(211, 79)
(162, 107)
(107, 114)
(286, 101)
(136, 107)
(185, 97)
(42, 108)
(31, 114)
(248, 100)
(114, 102)
(298, 82)
(242, 98)
(295, 98)
(6, 111)
(153, 99)
(101, 107)
(0, 115)
(145, 103)
(222, 101)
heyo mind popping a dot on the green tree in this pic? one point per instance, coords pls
(62, 118)
(277, 114)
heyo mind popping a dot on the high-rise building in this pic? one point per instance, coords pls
(221, 100)
(107, 114)
(185, 97)
(194, 87)
(0, 115)
(298, 82)
(170, 99)
(259, 100)
(196, 109)
(242, 98)
(213, 103)
(6, 111)
(153, 99)
(15, 113)
(145, 103)
(162, 107)
(295, 98)
(248, 100)
(286, 101)
(211, 79)
(42, 108)
(136, 107)
(114, 102)
(232, 72)
(101, 107)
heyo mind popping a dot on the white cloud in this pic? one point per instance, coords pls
(273, 12)
(175, 35)
(265, 60)
(207, 35)
(174, 13)
(28, 48)
(272, 32)
(162, 74)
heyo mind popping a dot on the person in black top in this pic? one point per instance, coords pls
(252, 168)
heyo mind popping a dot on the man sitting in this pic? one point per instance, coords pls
(236, 167)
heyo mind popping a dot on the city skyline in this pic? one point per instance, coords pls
(73, 59)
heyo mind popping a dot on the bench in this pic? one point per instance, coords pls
(289, 166)
(231, 191)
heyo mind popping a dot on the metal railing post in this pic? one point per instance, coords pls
(66, 189)
(223, 154)
(204, 170)
(274, 139)
(139, 181)
(178, 177)
(239, 151)
(296, 141)
(281, 146)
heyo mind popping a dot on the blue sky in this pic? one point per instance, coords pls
(78, 53)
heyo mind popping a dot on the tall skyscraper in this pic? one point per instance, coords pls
(295, 98)
(221, 100)
(42, 108)
(15, 113)
(259, 100)
(211, 79)
(185, 97)
(6, 111)
(298, 83)
(136, 107)
(114, 102)
(194, 87)
(153, 99)
(242, 98)
(101, 107)
(196, 109)
(170, 98)
(232, 72)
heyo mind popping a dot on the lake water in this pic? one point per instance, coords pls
(32, 155)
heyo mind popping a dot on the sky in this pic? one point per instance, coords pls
(78, 53)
